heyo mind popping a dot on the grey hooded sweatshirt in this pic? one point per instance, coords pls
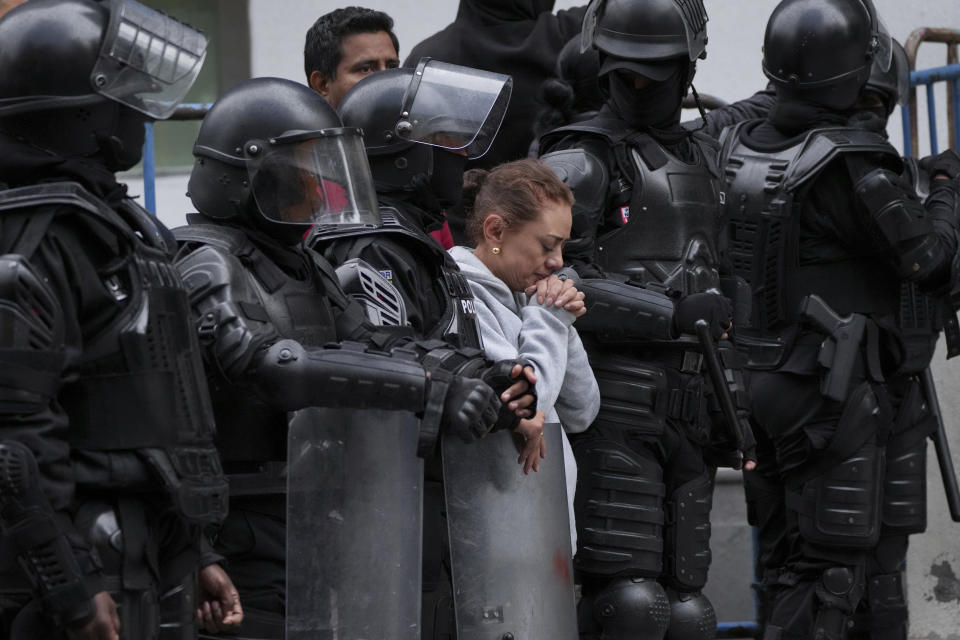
(512, 327)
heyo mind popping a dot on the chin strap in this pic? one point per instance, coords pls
(703, 112)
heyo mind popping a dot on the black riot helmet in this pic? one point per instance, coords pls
(272, 154)
(79, 77)
(410, 117)
(821, 51)
(657, 39)
(892, 85)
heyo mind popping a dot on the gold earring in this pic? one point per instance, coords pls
(495, 251)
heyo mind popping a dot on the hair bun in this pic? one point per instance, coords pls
(472, 182)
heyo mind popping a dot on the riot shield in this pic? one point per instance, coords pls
(354, 504)
(509, 540)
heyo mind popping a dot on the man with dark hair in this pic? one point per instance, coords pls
(346, 45)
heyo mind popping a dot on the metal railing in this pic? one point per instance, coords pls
(950, 73)
(190, 111)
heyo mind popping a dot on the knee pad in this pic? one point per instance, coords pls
(905, 489)
(838, 593)
(691, 617)
(619, 510)
(688, 533)
(632, 609)
(841, 507)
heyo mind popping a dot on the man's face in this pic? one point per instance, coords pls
(361, 55)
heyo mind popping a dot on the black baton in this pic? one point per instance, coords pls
(719, 380)
(942, 447)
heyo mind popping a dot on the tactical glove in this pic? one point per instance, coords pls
(712, 307)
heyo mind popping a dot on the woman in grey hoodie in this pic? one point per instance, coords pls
(519, 220)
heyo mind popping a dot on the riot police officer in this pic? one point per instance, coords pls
(107, 466)
(920, 318)
(418, 177)
(272, 158)
(645, 221)
(820, 222)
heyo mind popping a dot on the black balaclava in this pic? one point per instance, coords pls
(792, 115)
(656, 106)
(441, 189)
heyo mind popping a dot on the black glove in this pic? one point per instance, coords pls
(712, 307)
(470, 407)
(946, 162)
(498, 378)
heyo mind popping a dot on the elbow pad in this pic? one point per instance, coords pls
(617, 311)
(42, 548)
(290, 376)
(31, 343)
(902, 224)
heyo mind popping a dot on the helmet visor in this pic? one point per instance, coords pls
(588, 31)
(148, 61)
(313, 177)
(454, 107)
(881, 44)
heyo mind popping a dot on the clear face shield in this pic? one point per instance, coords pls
(901, 66)
(692, 14)
(454, 107)
(148, 60)
(313, 177)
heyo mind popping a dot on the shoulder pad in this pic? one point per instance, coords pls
(710, 148)
(61, 193)
(235, 242)
(611, 129)
(585, 174)
(706, 142)
(393, 222)
(821, 146)
(227, 238)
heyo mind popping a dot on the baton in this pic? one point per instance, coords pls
(719, 380)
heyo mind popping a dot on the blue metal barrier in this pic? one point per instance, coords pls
(929, 77)
(189, 111)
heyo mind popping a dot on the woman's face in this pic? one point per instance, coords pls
(531, 251)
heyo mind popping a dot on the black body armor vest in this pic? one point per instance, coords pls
(663, 221)
(669, 232)
(458, 323)
(140, 383)
(761, 199)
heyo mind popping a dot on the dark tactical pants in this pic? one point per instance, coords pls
(795, 498)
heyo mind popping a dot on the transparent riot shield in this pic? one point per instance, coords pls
(509, 541)
(354, 504)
